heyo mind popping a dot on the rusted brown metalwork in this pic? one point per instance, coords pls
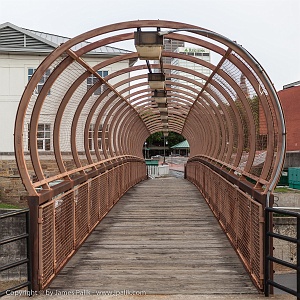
(232, 119)
(239, 210)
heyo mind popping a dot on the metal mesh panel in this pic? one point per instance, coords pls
(82, 121)
(250, 239)
(94, 201)
(218, 192)
(66, 124)
(126, 175)
(68, 115)
(51, 105)
(68, 219)
(257, 232)
(131, 176)
(136, 173)
(262, 86)
(223, 203)
(254, 103)
(94, 119)
(116, 184)
(64, 228)
(110, 188)
(240, 79)
(142, 170)
(47, 243)
(209, 187)
(238, 214)
(29, 111)
(121, 180)
(263, 133)
(81, 213)
(226, 86)
(244, 227)
(103, 195)
(232, 214)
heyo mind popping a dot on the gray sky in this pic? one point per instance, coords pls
(268, 29)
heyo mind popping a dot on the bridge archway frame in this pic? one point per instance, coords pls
(223, 118)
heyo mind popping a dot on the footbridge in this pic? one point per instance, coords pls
(92, 125)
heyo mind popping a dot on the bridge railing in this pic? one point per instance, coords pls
(61, 224)
(240, 216)
(15, 270)
(270, 259)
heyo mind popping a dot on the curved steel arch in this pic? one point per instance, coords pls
(220, 120)
(232, 119)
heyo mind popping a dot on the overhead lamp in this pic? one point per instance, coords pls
(156, 81)
(168, 86)
(164, 115)
(162, 107)
(148, 44)
(165, 121)
(160, 96)
(165, 132)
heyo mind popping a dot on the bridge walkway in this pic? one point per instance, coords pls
(160, 238)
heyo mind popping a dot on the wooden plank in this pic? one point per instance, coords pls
(160, 238)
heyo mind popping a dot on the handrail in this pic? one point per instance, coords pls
(62, 185)
(243, 185)
(102, 162)
(13, 213)
(269, 258)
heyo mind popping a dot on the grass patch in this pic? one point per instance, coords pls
(285, 190)
(281, 215)
(8, 206)
(281, 190)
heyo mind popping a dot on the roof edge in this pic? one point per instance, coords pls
(27, 32)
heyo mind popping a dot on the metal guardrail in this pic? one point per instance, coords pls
(21, 261)
(240, 216)
(61, 225)
(269, 258)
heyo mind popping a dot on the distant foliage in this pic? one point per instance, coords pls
(157, 139)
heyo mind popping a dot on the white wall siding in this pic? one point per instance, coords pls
(13, 80)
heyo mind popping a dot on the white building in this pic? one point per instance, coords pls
(199, 52)
(21, 51)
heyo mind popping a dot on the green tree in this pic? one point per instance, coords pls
(157, 139)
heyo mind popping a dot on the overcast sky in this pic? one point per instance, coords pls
(268, 29)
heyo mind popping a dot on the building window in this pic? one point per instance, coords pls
(41, 82)
(91, 80)
(91, 137)
(43, 137)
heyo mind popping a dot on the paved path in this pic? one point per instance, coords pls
(161, 238)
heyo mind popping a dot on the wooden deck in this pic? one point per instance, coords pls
(160, 238)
